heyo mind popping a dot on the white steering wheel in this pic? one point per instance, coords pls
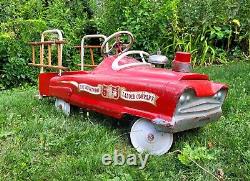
(116, 36)
(116, 66)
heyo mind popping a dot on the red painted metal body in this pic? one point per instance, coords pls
(142, 91)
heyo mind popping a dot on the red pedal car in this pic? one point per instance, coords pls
(163, 101)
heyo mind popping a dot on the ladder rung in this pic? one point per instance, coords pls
(49, 66)
(89, 46)
(87, 65)
(47, 43)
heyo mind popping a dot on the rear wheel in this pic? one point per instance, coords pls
(62, 105)
(146, 138)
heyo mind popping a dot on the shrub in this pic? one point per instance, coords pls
(5, 38)
(15, 48)
(16, 73)
(189, 155)
(23, 21)
(212, 31)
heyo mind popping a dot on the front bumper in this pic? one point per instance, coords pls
(197, 112)
(182, 123)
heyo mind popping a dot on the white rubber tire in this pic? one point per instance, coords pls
(63, 106)
(146, 138)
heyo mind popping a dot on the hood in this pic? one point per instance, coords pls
(145, 71)
(203, 88)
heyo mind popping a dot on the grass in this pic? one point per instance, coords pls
(39, 143)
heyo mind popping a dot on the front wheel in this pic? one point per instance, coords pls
(62, 105)
(146, 138)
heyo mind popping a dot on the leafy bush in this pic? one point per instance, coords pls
(23, 22)
(69, 17)
(140, 17)
(21, 32)
(212, 31)
(16, 72)
(5, 38)
(16, 54)
(189, 155)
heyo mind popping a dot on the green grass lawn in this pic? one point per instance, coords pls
(39, 143)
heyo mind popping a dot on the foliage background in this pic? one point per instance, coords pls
(213, 31)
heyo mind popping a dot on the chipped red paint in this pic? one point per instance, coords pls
(166, 85)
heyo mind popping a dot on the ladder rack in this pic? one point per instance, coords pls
(58, 43)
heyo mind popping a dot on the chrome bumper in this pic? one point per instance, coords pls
(196, 113)
(182, 123)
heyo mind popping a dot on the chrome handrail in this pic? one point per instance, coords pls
(60, 38)
(82, 46)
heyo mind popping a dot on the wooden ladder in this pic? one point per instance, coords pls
(58, 43)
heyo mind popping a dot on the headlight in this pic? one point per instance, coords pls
(185, 98)
(182, 99)
(220, 95)
(188, 97)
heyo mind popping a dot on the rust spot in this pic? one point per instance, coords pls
(220, 174)
(151, 137)
(60, 106)
(210, 145)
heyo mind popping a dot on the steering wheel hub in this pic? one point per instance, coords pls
(118, 45)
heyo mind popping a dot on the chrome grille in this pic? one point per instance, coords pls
(199, 105)
(192, 111)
